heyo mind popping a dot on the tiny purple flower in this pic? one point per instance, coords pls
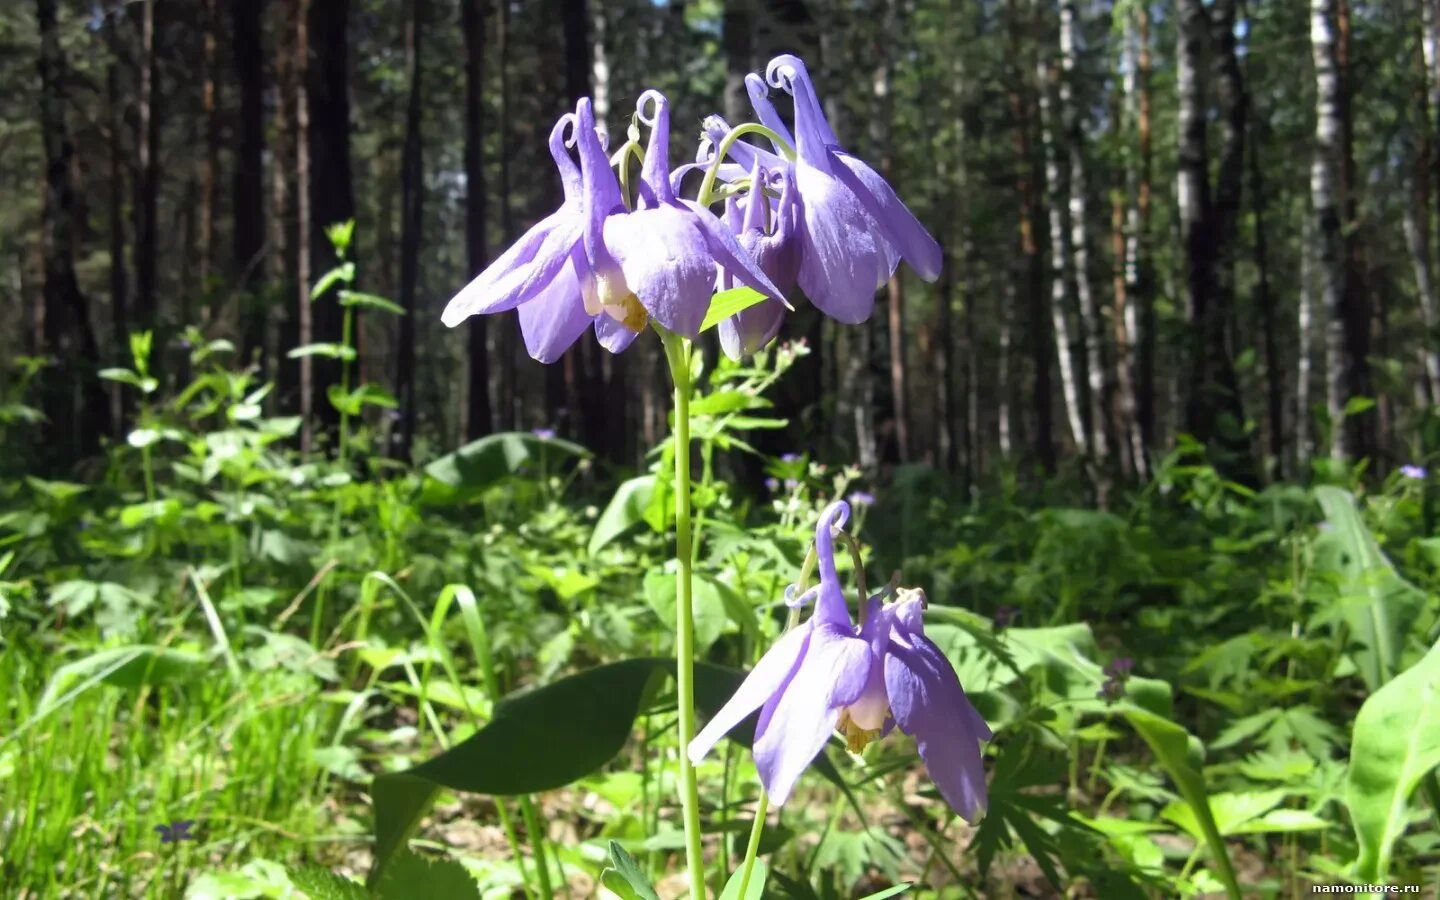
(1119, 667)
(791, 484)
(544, 434)
(826, 675)
(789, 457)
(176, 831)
(861, 498)
(1414, 472)
(1005, 616)
(772, 484)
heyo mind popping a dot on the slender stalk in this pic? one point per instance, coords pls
(762, 808)
(677, 354)
(537, 846)
(707, 186)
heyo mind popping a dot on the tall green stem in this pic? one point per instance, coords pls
(677, 353)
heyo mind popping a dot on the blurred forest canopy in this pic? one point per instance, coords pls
(1160, 218)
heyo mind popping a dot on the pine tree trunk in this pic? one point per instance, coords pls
(505, 345)
(478, 414)
(305, 254)
(146, 202)
(412, 204)
(332, 197)
(248, 238)
(119, 282)
(1029, 265)
(210, 166)
(1266, 302)
(72, 431)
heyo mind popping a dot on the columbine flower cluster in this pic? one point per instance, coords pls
(830, 675)
(802, 214)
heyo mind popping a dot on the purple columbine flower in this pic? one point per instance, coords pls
(1413, 471)
(766, 236)
(595, 263)
(826, 675)
(853, 229)
(660, 259)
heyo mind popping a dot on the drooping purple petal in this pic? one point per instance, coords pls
(727, 251)
(769, 674)
(666, 264)
(832, 675)
(612, 335)
(842, 264)
(928, 703)
(899, 225)
(751, 330)
(521, 272)
(555, 318)
(764, 109)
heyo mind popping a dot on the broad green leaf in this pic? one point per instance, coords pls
(371, 301)
(626, 509)
(123, 667)
(154, 511)
(1397, 743)
(1229, 810)
(1171, 746)
(711, 615)
(727, 303)
(544, 739)
(755, 890)
(1381, 609)
(467, 472)
(626, 879)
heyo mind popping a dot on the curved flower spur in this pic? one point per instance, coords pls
(595, 261)
(853, 229)
(828, 675)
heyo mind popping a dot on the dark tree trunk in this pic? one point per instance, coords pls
(332, 197)
(147, 187)
(1212, 391)
(248, 238)
(412, 201)
(119, 282)
(737, 40)
(1142, 287)
(210, 166)
(1030, 266)
(472, 22)
(1269, 314)
(68, 335)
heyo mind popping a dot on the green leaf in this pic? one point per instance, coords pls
(154, 511)
(727, 303)
(755, 890)
(544, 739)
(1357, 405)
(1381, 609)
(626, 878)
(370, 301)
(711, 615)
(144, 383)
(625, 509)
(344, 272)
(1171, 746)
(888, 892)
(1230, 811)
(332, 351)
(469, 471)
(126, 667)
(412, 877)
(1397, 743)
(323, 884)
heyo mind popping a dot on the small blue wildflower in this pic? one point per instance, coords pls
(861, 498)
(544, 434)
(1414, 472)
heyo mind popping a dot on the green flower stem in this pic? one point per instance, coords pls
(677, 353)
(707, 186)
(537, 846)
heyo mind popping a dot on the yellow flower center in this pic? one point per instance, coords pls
(862, 721)
(613, 297)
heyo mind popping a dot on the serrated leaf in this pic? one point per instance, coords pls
(411, 877)
(323, 884)
(627, 879)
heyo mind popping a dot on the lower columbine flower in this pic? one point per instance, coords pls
(827, 675)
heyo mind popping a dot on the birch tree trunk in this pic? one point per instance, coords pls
(1325, 182)
(1305, 351)
(1061, 277)
(1089, 336)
